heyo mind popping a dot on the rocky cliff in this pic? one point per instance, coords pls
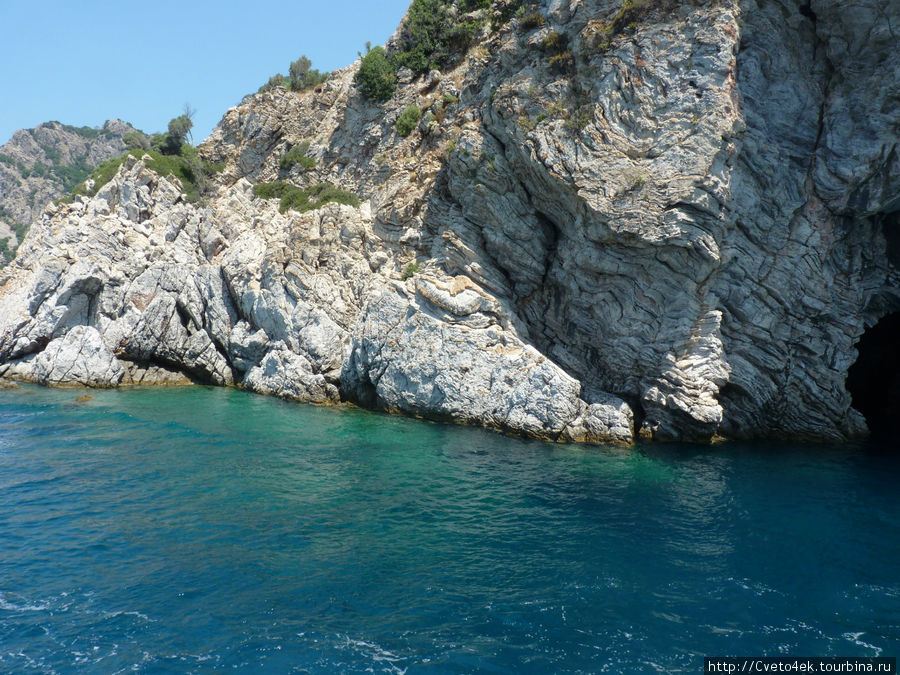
(42, 164)
(659, 219)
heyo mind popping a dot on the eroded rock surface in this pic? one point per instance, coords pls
(681, 233)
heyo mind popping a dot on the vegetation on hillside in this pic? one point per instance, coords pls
(408, 119)
(53, 167)
(68, 172)
(19, 229)
(89, 133)
(411, 270)
(301, 76)
(297, 156)
(170, 155)
(376, 76)
(187, 166)
(304, 199)
(435, 34)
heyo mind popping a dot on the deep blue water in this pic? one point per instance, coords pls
(208, 529)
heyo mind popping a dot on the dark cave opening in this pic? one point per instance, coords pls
(874, 380)
(891, 228)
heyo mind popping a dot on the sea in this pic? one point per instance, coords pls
(208, 529)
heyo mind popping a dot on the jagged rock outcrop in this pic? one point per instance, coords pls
(42, 164)
(679, 227)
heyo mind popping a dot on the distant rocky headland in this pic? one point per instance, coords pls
(590, 221)
(40, 165)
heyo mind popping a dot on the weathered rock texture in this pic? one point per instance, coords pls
(42, 164)
(680, 233)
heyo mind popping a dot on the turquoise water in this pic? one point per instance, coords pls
(208, 529)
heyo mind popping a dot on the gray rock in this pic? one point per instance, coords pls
(80, 357)
(406, 359)
(289, 376)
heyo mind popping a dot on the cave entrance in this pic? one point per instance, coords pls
(874, 380)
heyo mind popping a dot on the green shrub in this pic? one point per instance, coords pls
(323, 193)
(505, 11)
(411, 270)
(299, 199)
(136, 140)
(101, 175)
(375, 77)
(533, 20)
(302, 76)
(422, 43)
(277, 81)
(271, 190)
(52, 154)
(297, 155)
(433, 36)
(449, 99)
(601, 34)
(553, 42)
(562, 62)
(579, 118)
(85, 132)
(157, 141)
(38, 171)
(72, 174)
(408, 119)
(170, 143)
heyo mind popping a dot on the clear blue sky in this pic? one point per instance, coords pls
(82, 63)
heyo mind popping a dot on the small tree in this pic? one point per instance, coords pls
(179, 128)
(375, 77)
(302, 76)
(298, 71)
(189, 112)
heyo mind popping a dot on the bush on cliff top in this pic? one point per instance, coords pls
(301, 76)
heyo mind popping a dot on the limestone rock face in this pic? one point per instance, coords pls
(454, 361)
(678, 231)
(78, 357)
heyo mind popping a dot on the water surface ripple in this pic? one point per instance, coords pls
(196, 529)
